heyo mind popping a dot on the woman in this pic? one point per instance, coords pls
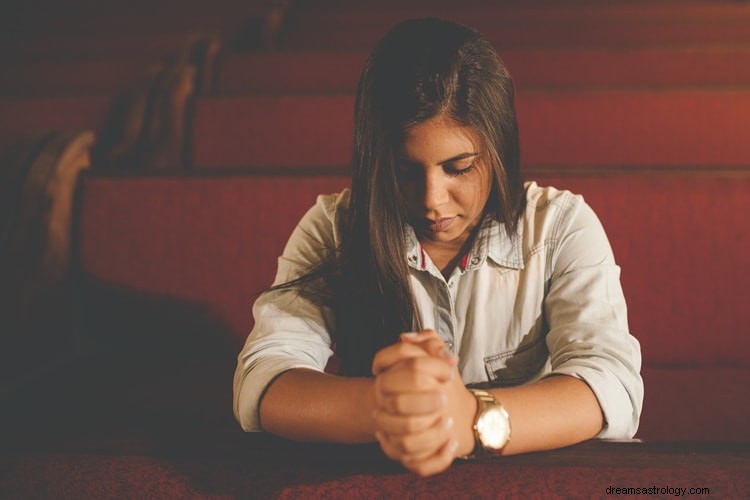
(440, 273)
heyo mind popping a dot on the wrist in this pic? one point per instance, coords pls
(466, 440)
(369, 407)
(491, 427)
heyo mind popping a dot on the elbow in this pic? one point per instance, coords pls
(622, 417)
(244, 409)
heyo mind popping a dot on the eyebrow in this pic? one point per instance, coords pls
(460, 157)
(453, 159)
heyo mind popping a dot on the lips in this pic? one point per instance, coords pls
(440, 225)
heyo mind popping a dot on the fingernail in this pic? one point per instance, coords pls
(453, 446)
(448, 423)
(409, 336)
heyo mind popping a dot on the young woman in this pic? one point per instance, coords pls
(472, 313)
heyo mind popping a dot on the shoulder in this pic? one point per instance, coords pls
(562, 222)
(539, 198)
(548, 211)
(333, 205)
(322, 223)
(555, 210)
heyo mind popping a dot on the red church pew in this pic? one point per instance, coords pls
(214, 240)
(322, 71)
(27, 116)
(78, 76)
(507, 26)
(679, 238)
(632, 34)
(278, 131)
(69, 45)
(571, 128)
(53, 30)
(333, 13)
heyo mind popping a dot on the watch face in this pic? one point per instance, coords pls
(493, 428)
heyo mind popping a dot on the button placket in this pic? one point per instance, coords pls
(444, 312)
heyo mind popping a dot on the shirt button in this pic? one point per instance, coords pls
(449, 345)
(475, 260)
(412, 258)
(451, 283)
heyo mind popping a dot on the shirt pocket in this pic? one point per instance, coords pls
(519, 365)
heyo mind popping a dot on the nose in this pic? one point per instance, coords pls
(435, 188)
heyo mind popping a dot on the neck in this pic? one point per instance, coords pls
(446, 256)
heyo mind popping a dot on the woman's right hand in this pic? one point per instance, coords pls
(414, 381)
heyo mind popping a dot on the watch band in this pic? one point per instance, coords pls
(485, 401)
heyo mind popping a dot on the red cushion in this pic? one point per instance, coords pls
(605, 24)
(28, 116)
(695, 404)
(211, 243)
(675, 128)
(292, 71)
(682, 242)
(73, 77)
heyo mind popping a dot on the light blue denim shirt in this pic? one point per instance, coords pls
(547, 301)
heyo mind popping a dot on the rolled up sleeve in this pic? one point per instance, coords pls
(588, 334)
(291, 329)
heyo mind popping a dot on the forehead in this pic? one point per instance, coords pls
(438, 138)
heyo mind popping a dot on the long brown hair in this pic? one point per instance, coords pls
(422, 68)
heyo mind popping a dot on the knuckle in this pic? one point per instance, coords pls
(413, 425)
(408, 445)
(412, 365)
(397, 404)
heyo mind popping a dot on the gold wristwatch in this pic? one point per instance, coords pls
(491, 425)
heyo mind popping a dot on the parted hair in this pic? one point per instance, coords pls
(422, 68)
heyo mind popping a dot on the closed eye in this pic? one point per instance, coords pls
(453, 172)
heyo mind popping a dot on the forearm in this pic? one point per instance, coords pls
(307, 405)
(551, 413)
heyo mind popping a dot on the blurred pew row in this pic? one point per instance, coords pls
(215, 101)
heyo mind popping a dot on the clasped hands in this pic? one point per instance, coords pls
(424, 413)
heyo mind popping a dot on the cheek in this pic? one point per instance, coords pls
(474, 197)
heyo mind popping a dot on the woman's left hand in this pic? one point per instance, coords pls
(424, 413)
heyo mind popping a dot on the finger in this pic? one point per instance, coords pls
(435, 463)
(395, 452)
(420, 445)
(425, 442)
(392, 354)
(419, 403)
(389, 450)
(431, 343)
(393, 424)
(415, 375)
(419, 336)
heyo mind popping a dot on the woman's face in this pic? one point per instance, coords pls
(444, 179)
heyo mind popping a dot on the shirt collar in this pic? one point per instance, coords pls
(492, 242)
